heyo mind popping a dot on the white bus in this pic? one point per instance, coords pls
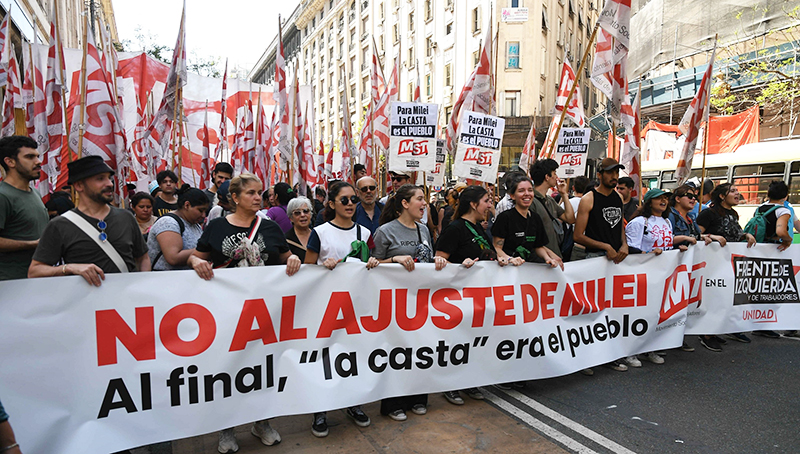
(750, 169)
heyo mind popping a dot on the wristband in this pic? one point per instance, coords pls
(64, 272)
(9, 447)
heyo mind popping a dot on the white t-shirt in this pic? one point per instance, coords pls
(659, 233)
(331, 241)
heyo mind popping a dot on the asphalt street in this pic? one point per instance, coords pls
(745, 399)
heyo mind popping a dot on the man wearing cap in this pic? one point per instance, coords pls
(78, 241)
(23, 216)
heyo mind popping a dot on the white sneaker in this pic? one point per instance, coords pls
(654, 358)
(632, 361)
(227, 441)
(265, 432)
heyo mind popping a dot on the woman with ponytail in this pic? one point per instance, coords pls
(403, 239)
(174, 235)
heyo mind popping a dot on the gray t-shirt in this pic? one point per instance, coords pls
(23, 217)
(63, 240)
(191, 234)
(393, 239)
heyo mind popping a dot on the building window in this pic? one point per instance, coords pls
(476, 20)
(429, 47)
(411, 62)
(380, 11)
(543, 63)
(428, 10)
(396, 29)
(448, 75)
(545, 23)
(411, 22)
(512, 99)
(512, 55)
(428, 86)
(448, 29)
(516, 3)
(476, 57)
(410, 92)
(448, 112)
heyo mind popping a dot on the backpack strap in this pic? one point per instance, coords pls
(92, 233)
(181, 227)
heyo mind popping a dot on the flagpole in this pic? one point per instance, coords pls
(258, 136)
(292, 131)
(572, 90)
(179, 99)
(189, 146)
(705, 140)
(173, 133)
(81, 126)
(638, 131)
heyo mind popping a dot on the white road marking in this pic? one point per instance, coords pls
(528, 419)
(563, 420)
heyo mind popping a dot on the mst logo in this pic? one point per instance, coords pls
(483, 158)
(416, 148)
(571, 160)
(682, 288)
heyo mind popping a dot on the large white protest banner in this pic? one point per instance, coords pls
(412, 137)
(572, 150)
(479, 142)
(164, 355)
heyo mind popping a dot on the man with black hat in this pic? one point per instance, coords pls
(23, 216)
(94, 238)
(599, 224)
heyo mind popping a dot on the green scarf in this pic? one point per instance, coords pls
(358, 249)
(478, 238)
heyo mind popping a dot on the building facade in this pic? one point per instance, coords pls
(439, 43)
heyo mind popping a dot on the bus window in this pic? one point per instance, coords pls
(752, 181)
(718, 174)
(794, 183)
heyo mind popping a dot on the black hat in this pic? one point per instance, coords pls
(610, 164)
(86, 167)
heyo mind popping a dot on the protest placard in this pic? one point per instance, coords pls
(572, 150)
(412, 137)
(479, 142)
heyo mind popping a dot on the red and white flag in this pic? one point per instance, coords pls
(418, 89)
(366, 153)
(381, 125)
(329, 163)
(575, 109)
(477, 94)
(244, 141)
(205, 156)
(283, 145)
(616, 19)
(263, 145)
(223, 122)
(157, 136)
(695, 115)
(529, 149)
(4, 49)
(548, 149)
(308, 164)
(103, 134)
(51, 115)
(631, 148)
(13, 97)
(321, 180)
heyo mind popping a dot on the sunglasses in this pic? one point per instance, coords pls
(367, 188)
(299, 212)
(399, 177)
(691, 196)
(348, 200)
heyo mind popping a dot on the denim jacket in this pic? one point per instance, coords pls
(681, 227)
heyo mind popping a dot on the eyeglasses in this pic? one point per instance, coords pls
(348, 200)
(691, 196)
(299, 212)
(368, 188)
(399, 177)
(103, 235)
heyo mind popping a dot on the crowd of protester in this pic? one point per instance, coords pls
(239, 223)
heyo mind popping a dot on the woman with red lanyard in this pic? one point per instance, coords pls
(330, 244)
(465, 242)
(242, 239)
(403, 238)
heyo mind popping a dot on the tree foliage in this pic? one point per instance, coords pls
(760, 70)
(147, 43)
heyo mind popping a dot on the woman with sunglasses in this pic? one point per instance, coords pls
(242, 239)
(329, 244)
(682, 218)
(403, 239)
(300, 211)
(465, 242)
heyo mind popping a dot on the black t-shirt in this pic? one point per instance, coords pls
(161, 207)
(605, 221)
(64, 240)
(517, 231)
(719, 221)
(630, 208)
(221, 239)
(458, 241)
(291, 237)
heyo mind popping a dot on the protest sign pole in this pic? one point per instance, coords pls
(574, 86)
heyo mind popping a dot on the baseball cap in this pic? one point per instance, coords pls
(655, 192)
(609, 164)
